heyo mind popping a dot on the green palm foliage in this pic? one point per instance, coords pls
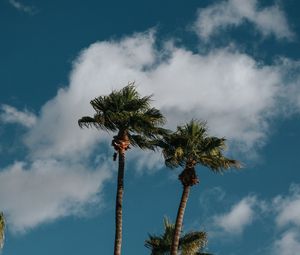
(135, 123)
(189, 244)
(125, 112)
(2, 229)
(191, 145)
(188, 146)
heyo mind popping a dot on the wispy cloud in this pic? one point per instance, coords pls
(10, 114)
(232, 13)
(22, 7)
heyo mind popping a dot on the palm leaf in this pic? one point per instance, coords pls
(189, 244)
(2, 230)
(141, 141)
(193, 242)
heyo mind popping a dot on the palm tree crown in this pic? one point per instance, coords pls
(191, 145)
(127, 113)
(189, 244)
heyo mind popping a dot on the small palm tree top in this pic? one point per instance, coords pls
(191, 144)
(126, 111)
(2, 229)
(189, 244)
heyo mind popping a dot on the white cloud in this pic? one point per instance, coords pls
(22, 7)
(288, 208)
(279, 215)
(146, 161)
(10, 114)
(57, 133)
(32, 194)
(240, 216)
(229, 89)
(290, 73)
(232, 13)
(288, 244)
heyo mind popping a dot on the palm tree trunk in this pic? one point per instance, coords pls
(179, 219)
(119, 202)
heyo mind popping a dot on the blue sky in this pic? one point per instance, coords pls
(234, 63)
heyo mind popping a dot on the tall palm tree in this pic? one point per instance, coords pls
(2, 230)
(135, 122)
(189, 244)
(188, 146)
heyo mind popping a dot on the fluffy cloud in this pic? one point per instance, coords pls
(288, 208)
(288, 244)
(284, 211)
(10, 114)
(232, 13)
(287, 218)
(229, 89)
(240, 216)
(31, 194)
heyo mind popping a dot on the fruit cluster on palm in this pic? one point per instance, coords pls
(136, 123)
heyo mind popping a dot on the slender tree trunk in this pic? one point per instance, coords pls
(179, 219)
(119, 202)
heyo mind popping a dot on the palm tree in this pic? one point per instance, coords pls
(189, 244)
(188, 146)
(135, 122)
(2, 230)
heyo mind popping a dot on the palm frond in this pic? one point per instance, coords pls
(98, 121)
(141, 141)
(209, 144)
(86, 121)
(189, 244)
(147, 122)
(219, 163)
(193, 242)
(2, 230)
